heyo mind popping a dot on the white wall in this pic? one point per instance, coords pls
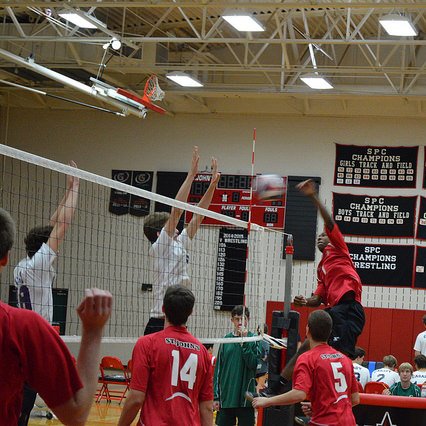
(285, 145)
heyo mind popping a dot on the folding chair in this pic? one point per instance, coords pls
(113, 375)
(375, 387)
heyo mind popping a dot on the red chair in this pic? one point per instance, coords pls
(375, 387)
(113, 375)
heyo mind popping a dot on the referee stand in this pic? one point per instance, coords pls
(284, 324)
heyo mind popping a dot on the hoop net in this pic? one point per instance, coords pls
(153, 90)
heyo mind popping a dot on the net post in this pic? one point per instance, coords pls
(289, 251)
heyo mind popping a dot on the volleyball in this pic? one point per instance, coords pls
(268, 187)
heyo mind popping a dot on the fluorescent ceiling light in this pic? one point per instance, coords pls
(316, 81)
(243, 23)
(397, 25)
(79, 20)
(183, 79)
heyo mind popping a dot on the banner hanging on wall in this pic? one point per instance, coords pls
(421, 223)
(420, 275)
(374, 216)
(376, 166)
(382, 264)
(122, 202)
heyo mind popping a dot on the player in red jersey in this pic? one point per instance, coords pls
(339, 289)
(32, 352)
(171, 377)
(339, 286)
(323, 375)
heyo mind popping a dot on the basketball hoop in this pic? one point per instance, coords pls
(152, 89)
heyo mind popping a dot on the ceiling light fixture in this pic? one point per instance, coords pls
(244, 23)
(315, 81)
(114, 43)
(398, 25)
(79, 20)
(183, 79)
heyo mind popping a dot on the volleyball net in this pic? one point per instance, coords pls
(227, 264)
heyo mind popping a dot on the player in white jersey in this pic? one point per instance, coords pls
(35, 274)
(419, 376)
(387, 374)
(362, 374)
(420, 344)
(169, 250)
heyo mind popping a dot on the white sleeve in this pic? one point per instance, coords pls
(184, 239)
(161, 246)
(417, 345)
(43, 259)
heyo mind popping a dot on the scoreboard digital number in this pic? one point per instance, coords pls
(232, 198)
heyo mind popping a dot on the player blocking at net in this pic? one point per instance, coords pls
(34, 275)
(169, 249)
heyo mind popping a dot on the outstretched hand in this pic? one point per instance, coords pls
(215, 173)
(72, 181)
(307, 188)
(95, 309)
(259, 402)
(194, 163)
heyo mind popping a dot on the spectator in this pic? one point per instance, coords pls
(235, 373)
(419, 376)
(362, 374)
(404, 387)
(387, 374)
(420, 345)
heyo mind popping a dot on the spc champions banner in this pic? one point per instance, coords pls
(375, 216)
(376, 166)
(420, 275)
(421, 224)
(383, 265)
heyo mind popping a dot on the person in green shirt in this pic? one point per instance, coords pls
(404, 387)
(235, 374)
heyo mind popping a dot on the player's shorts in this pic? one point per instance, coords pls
(348, 323)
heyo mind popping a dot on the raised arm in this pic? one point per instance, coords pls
(63, 215)
(309, 189)
(196, 220)
(314, 300)
(94, 311)
(182, 194)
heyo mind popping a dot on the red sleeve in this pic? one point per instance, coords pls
(206, 390)
(50, 368)
(141, 369)
(336, 239)
(320, 291)
(302, 379)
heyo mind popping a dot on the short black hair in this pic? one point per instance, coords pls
(320, 325)
(178, 303)
(359, 352)
(238, 310)
(35, 239)
(420, 361)
(7, 233)
(208, 345)
(153, 224)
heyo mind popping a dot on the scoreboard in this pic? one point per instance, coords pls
(232, 198)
